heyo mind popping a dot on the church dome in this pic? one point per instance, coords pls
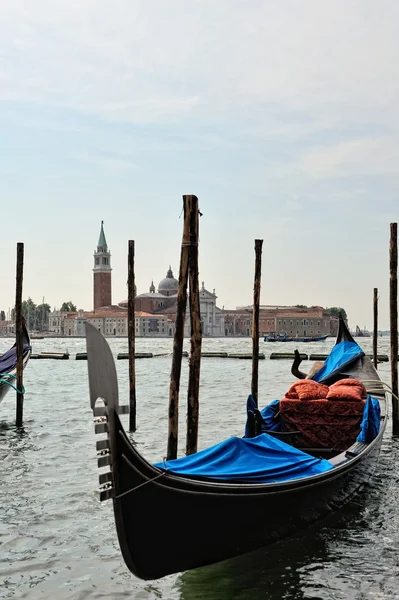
(169, 284)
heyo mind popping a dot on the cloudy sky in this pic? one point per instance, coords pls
(281, 116)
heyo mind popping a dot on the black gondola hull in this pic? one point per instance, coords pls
(182, 524)
(168, 524)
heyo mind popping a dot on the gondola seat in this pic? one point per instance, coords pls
(322, 423)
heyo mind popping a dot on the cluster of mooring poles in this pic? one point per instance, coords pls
(189, 274)
(188, 277)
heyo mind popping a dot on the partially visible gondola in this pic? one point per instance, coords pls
(8, 364)
(169, 522)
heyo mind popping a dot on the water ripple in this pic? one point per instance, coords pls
(58, 541)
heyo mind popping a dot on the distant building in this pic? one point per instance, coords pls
(212, 317)
(112, 323)
(155, 311)
(238, 323)
(165, 301)
(7, 328)
(156, 302)
(289, 320)
(102, 284)
(56, 322)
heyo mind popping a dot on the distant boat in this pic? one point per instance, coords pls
(361, 332)
(286, 338)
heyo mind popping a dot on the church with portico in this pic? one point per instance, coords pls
(163, 301)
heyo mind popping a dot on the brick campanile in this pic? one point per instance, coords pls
(102, 294)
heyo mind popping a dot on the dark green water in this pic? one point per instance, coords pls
(58, 541)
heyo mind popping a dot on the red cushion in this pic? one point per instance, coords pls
(306, 389)
(347, 389)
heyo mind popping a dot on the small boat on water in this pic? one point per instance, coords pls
(8, 364)
(286, 338)
(300, 460)
(361, 332)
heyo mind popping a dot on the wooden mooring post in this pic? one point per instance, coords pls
(255, 320)
(181, 305)
(393, 305)
(196, 332)
(375, 328)
(131, 332)
(19, 334)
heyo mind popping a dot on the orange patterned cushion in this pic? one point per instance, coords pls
(347, 389)
(307, 390)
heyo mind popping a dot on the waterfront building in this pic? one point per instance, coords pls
(155, 311)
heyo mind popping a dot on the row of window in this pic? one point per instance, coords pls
(304, 322)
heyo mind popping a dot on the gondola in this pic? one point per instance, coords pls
(286, 338)
(171, 519)
(8, 364)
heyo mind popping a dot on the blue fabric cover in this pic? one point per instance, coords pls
(268, 415)
(269, 420)
(342, 355)
(262, 459)
(370, 424)
(8, 361)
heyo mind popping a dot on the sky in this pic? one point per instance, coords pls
(281, 116)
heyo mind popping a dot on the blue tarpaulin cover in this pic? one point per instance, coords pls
(262, 459)
(342, 355)
(370, 424)
(269, 414)
(8, 361)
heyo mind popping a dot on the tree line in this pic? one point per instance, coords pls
(37, 315)
(334, 311)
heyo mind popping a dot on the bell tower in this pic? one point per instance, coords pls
(102, 294)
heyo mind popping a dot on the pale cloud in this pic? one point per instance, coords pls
(379, 156)
(294, 203)
(142, 61)
(279, 115)
(109, 162)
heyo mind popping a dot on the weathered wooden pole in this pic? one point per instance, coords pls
(375, 328)
(131, 333)
(255, 320)
(393, 304)
(19, 334)
(196, 332)
(181, 306)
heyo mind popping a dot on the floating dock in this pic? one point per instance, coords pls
(51, 356)
(125, 355)
(242, 356)
(286, 355)
(246, 356)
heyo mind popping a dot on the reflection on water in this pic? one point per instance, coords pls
(269, 573)
(58, 541)
(353, 555)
